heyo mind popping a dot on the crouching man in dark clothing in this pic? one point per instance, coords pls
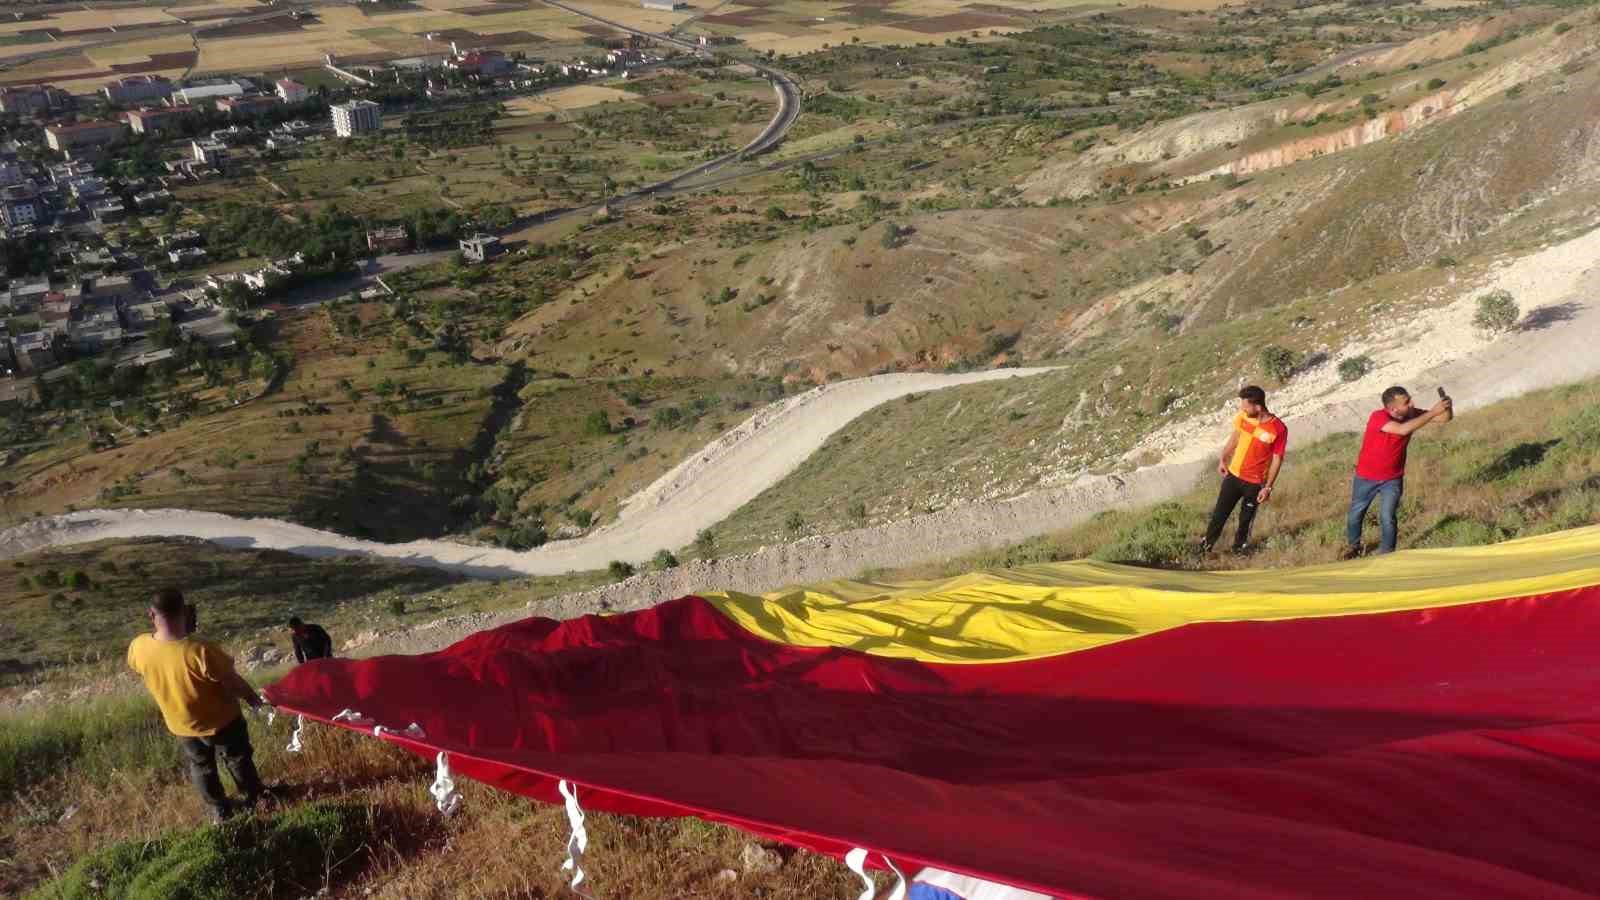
(310, 641)
(194, 683)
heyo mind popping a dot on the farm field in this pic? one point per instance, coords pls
(365, 34)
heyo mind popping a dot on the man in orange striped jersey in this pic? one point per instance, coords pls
(1249, 466)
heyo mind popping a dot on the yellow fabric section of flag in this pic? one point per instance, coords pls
(1044, 610)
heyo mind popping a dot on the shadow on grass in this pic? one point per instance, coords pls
(1525, 455)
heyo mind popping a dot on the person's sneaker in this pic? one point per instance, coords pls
(1203, 548)
(1350, 552)
(216, 815)
(1242, 549)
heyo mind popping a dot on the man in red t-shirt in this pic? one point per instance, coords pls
(1249, 465)
(1381, 467)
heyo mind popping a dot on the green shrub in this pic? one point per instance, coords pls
(705, 543)
(1497, 312)
(1563, 27)
(858, 511)
(78, 580)
(1355, 368)
(619, 569)
(663, 560)
(1435, 83)
(1166, 535)
(292, 854)
(526, 535)
(597, 424)
(1279, 362)
(793, 523)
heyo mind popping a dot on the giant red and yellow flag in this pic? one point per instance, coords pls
(1425, 724)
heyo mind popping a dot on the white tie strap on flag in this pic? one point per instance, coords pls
(443, 789)
(856, 860)
(295, 746)
(577, 841)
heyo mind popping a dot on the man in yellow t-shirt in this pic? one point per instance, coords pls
(1249, 466)
(198, 691)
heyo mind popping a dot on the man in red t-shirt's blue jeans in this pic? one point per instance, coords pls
(1381, 467)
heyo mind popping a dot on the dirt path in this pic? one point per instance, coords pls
(1559, 290)
(1557, 287)
(697, 494)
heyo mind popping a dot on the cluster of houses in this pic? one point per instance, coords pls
(150, 104)
(483, 64)
(107, 311)
(33, 195)
(86, 318)
(264, 280)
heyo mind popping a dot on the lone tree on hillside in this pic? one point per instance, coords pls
(1497, 312)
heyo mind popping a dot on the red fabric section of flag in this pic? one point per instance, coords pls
(1449, 752)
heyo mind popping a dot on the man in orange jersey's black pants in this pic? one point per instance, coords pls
(1249, 466)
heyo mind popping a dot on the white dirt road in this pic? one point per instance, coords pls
(698, 493)
(1558, 288)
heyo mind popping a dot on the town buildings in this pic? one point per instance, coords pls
(389, 239)
(153, 120)
(665, 5)
(253, 105)
(26, 100)
(211, 90)
(20, 204)
(210, 152)
(136, 89)
(93, 133)
(186, 238)
(486, 63)
(480, 247)
(24, 295)
(34, 351)
(152, 200)
(184, 256)
(291, 91)
(355, 117)
(109, 209)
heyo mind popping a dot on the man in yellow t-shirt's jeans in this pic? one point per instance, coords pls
(198, 691)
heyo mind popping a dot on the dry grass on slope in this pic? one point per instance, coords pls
(95, 784)
(358, 438)
(1508, 173)
(1515, 469)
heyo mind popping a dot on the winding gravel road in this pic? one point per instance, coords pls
(698, 493)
